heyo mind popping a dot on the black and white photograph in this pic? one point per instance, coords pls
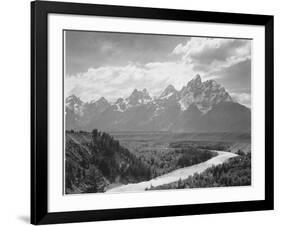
(149, 112)
(140, 112)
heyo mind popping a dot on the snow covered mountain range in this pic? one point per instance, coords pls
(197, 107)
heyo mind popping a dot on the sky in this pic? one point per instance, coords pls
(112, 65)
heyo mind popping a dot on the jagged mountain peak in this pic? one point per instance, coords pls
(168, 92)
(74, 99)
(145, 91)
(92, 101)
(119, 100)
(140, 92)
(171, 110)
(204, 94)
(212, 84)
(120, 105)
(74, 104)
(196, 81)
(169, 89)
(193, 85)
(197, 77)
(139, 97)
(101, 100)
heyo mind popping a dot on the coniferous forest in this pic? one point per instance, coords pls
(96, 161)
(235, 172)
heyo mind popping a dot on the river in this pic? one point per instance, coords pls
(182, 173)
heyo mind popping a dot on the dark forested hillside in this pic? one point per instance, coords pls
(235, 172)
(95, 160)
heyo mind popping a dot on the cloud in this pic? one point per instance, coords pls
(242, 98)
(118, 64)
(236, 78)
(97, 49)
(113, 82)
(213, 54)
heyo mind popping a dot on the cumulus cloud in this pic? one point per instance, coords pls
(213, 54)
(242, 98)
(112, 75)
(113, 82)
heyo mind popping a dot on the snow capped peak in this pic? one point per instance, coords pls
(99, 105)
(204, 94)
(211, 82)
(195, 82)
(194, 85)
(197, 78)
(135, 91)
(74, 104)
(92, 101)
(139, 97)
(119, 100)
(102, 101)
(145, 91)
(168, 92)
(169, 89)
(73, 99)
(121, 105)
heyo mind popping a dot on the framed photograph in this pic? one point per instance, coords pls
(145, 112)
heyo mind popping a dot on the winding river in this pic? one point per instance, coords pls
(175, 175)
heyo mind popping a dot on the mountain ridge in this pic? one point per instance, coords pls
(175, 110)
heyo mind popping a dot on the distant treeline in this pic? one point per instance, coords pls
(167, 160)
(235, 172)
(205, 145)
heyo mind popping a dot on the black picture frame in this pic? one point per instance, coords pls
(39, 111)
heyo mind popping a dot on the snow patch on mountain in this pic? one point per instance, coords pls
(183, 105)
(74, 104)
(204, 95)
(121, 105)
(168, 92)
(139, 97)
